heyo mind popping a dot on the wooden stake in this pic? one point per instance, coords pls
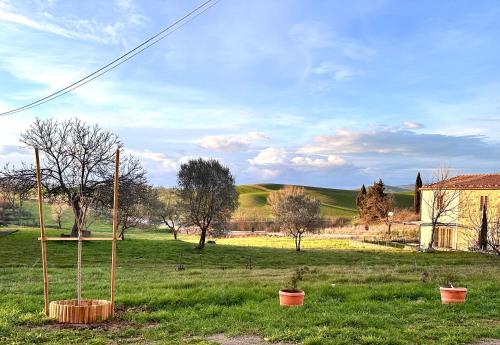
(79, 239)
(115, 226)
(42, 234)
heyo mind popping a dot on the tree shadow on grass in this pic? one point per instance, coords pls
(23, 248)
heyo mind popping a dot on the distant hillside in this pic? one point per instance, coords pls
(334, 202)
(396, 189)
(253, 204)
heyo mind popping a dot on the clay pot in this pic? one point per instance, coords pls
(453, 295)
(291, 298)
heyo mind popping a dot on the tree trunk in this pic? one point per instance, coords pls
(175, 234)
(298, 239)
(203, 236)
(77, 212)
(430, 246)
(483, 239)
(74, 229)
(122, 234)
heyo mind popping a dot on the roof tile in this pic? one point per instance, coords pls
(476, 181)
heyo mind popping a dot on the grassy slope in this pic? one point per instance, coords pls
(334, 202)
(379, 297)
(253, 202)
(31, 206)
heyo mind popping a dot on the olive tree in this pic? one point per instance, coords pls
(295, 212)
(208, 193)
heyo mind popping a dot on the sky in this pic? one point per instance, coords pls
(321, 93)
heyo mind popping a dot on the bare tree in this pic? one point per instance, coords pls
(58, 206)
(136, 197)
(295, 212)
(493, 236)
(442, 203)
(13, 192)
(170, 209)
(482, 224)
(208, 193)
(78, 160)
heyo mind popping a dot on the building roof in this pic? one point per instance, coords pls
(476, 181)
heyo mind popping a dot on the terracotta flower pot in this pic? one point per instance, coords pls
(453, 295)
(291, 299)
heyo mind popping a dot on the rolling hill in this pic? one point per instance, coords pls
(334, 202)
(253, 204)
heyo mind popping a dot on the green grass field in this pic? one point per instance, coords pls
(378, 297)
(253, 204)
(334, 202)
(31, 207)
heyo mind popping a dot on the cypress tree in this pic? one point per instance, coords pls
(483, 236)
(377, 202)
(360, 199)
(417, 194)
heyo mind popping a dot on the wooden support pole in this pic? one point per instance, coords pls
(115, 226)
(42, 234)
(78, 239)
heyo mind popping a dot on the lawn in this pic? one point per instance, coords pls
(378, 298)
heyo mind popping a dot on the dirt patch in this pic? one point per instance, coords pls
(113, 326)
(241, 340)
(487, 342)
(492, 322)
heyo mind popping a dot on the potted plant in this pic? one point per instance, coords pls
(451, 294)
(291, 295)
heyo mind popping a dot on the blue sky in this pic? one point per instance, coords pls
(326, 93)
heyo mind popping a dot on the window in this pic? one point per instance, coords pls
(440, 201)
(444, 237)
(484, 202)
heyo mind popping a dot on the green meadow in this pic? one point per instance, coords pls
(334, 202)
(355, 294)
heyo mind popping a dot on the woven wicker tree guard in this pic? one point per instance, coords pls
(78, 310)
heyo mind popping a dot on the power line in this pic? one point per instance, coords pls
(121, 59)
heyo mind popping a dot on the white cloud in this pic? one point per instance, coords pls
(403, 142)
(315, 35)
(337, 71)
(312, 34)
(413, 125)
(167, 163)
(49, 27)
(14, 155)
(70, 25)
(269, 156)
(265, 174)
(231, 143)
(327, 162)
